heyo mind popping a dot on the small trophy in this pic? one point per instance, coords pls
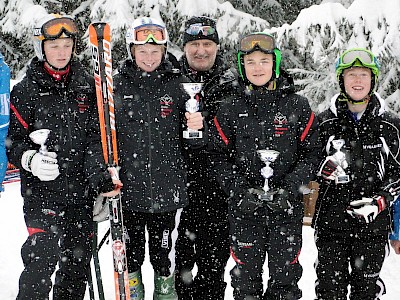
(341, 159)
(267, 156)
(192, 105)
(40, 137)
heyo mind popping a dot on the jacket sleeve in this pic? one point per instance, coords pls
(390, 186)
(95, 166)
(309, 149)
(21, 122)
(222, 154)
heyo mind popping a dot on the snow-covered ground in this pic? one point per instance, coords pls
(13, 234)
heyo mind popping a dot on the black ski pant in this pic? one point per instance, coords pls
(60, 235)
(203, 239)
(252, 237)
(350, 258)
(160, 227)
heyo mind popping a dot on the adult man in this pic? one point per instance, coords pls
(203, 230)
(359, 177)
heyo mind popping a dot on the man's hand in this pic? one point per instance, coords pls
(101, 209)
(330, 169)
(367, 209)
(194, 120)
(44, 166)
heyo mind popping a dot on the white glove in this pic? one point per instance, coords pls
(101, 209)
(367, 209)
(43, 166)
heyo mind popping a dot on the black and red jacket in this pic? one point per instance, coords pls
(260, 119)
(371, 147)
(68, 108)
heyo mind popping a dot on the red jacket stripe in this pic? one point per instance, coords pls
(221, 133)
(307, 129)
(20, 119)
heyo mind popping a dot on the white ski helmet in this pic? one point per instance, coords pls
(146, 30)
(51, 27)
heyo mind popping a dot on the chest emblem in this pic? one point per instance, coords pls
(83, 102)
(166, 104)
(280, 124)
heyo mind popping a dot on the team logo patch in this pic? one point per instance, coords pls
(166, 103)
(83, 102)
(280, 124)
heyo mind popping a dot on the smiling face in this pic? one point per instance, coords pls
(258, 67)
(357, 82)
(148, 56)
(201, 54)
(58, 52)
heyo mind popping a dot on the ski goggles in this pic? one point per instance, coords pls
(145, 34)
(263, 42)
(195, 29)
(54, 28)
(364, 56)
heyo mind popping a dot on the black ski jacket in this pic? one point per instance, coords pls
(68, 108)
(149, 112)
(259, 119)
(219, 82)
(371, 148)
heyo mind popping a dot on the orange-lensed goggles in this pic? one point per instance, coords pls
(154, 33)
(54, 28)
(264, 42)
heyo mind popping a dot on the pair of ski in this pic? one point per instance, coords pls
(100, 44)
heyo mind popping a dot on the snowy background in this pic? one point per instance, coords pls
(13, 233)
(310, 33)
(310, 37)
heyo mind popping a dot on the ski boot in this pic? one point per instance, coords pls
(164, 288)
(136, 286)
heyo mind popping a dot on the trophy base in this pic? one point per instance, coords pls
(192, 134)
(342, 179)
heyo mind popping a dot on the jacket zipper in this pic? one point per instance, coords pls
(150, 156)
(69, 136)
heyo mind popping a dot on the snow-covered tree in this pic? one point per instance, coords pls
(313, 42)
(310, 42)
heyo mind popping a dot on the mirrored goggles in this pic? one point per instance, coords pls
(263, 42)
(153, 33)
(205, 30)
(364, 56)
(54, 28)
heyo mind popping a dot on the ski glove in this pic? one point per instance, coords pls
(101, 209)
(44, 166)
(278, 202)
(247, 202)
(330, 169)
(367, 209)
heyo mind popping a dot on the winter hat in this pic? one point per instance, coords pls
(199, 28)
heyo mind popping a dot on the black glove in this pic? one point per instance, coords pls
(247, 202)
(367, 209)
(105, 185)
(276, 201)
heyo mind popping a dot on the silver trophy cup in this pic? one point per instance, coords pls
(192, 106)
(40, 137)
(341, 158)
(267, 157)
